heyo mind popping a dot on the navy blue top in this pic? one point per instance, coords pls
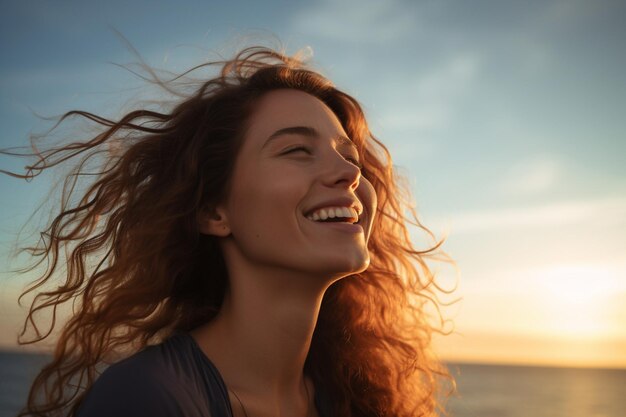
(171, 379)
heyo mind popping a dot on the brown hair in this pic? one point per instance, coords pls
(137, 268)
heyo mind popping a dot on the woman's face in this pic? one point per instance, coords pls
(296, 160)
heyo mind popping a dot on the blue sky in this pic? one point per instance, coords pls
(507, 117)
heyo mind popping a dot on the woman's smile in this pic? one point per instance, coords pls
(342, 214)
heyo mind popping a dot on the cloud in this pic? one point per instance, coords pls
(372, 21)
(584, 280)
(429, 100)
(459, 69)
(532, 175)
(609, 210)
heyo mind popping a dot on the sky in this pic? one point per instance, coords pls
(506, 117)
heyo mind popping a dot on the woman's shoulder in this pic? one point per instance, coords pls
(168, 379)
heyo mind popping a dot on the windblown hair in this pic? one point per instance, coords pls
(136, 269)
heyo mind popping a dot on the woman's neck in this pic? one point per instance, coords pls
(260, 339)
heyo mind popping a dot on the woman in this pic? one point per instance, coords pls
(246, 252)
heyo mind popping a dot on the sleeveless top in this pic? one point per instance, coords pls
(171, 379)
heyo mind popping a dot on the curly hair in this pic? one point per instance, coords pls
(136, 269)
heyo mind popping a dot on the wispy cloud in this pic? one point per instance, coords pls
(609, 210)
(532, 175)
(372, 21)
(429, 99)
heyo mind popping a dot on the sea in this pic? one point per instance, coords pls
(482, 390)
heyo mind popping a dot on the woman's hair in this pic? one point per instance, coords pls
(135, 267)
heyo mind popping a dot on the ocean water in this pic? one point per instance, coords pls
(17, 371)
(516, 391)
(483, 390)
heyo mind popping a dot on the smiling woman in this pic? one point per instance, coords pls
(246, 253)
(299, 171)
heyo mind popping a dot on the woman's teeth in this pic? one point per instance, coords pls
(348, 214)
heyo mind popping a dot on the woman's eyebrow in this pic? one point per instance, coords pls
(306, 131)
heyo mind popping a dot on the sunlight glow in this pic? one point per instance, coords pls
(576, 285)
(579, 300)
(562, 313)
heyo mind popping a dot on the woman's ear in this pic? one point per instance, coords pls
(214, 222)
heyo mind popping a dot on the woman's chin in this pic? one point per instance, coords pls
(344, 264)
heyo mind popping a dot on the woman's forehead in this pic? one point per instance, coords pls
(285, 109)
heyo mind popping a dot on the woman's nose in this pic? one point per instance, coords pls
(340, 171)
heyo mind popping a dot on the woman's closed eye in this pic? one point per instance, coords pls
(303, 149)
(296, 149)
